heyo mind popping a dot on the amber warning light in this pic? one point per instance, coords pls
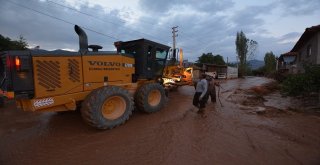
(18, 63)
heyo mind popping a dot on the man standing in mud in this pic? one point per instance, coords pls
(211, 92)
(199, 99)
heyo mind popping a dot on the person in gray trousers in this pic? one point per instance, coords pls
(199, 99)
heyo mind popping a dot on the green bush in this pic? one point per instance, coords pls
(302, 84)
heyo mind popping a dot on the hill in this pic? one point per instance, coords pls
(255, 64)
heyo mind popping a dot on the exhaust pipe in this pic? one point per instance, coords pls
(83, 39)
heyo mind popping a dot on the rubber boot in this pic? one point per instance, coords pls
(201, 111)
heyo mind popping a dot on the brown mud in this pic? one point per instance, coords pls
(254, 126)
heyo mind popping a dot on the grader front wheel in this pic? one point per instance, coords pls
(150, 97)
(107, 107)
(154, 97)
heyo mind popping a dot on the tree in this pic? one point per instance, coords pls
(252, 49)
(218, 60)
(206, 58)
(242, 51)
(246, 49)
(270, 62)
(209, 58)
(259, 72)
(22, 42)
(7, 44)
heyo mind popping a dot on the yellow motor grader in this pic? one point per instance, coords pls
(104, 85)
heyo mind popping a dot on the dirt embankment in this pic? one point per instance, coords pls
(265, 99)
(252, 127)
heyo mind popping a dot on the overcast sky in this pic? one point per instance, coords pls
(204, 25)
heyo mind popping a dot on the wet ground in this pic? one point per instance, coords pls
(249, 128)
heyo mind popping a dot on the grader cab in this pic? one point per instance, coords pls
(104, 85)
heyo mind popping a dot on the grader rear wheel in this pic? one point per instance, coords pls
(113, 107)
(107, 107)
(150, 97)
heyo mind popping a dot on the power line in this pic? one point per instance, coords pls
(71, 23)
(122, 20)
(74, 9)
(60, 19)
(92, 16)
(144, 21)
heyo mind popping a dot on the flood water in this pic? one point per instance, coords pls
(234, 132)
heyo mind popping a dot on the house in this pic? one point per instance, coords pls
(305, 52)
(287, 63)
(217, 69)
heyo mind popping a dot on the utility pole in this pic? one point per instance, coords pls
(174, 35)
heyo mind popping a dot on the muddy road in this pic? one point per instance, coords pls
(257, 131)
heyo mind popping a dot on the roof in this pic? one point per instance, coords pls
(308, 33)
(142, 40)
(207, 64)
(288, 54)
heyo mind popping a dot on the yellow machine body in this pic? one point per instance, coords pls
(66, 80)
(105, 85)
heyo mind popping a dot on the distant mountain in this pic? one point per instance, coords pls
(255, 64)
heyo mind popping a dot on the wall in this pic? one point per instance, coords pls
(303, 59)
(232, 72)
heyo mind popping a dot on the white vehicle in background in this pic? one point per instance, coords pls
(222, 75)
(212, 74)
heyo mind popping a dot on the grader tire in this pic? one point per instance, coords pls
(107, 107)
(150, 98)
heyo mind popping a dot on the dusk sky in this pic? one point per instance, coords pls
(204, 26)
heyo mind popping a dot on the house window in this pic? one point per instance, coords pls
(309, 51)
